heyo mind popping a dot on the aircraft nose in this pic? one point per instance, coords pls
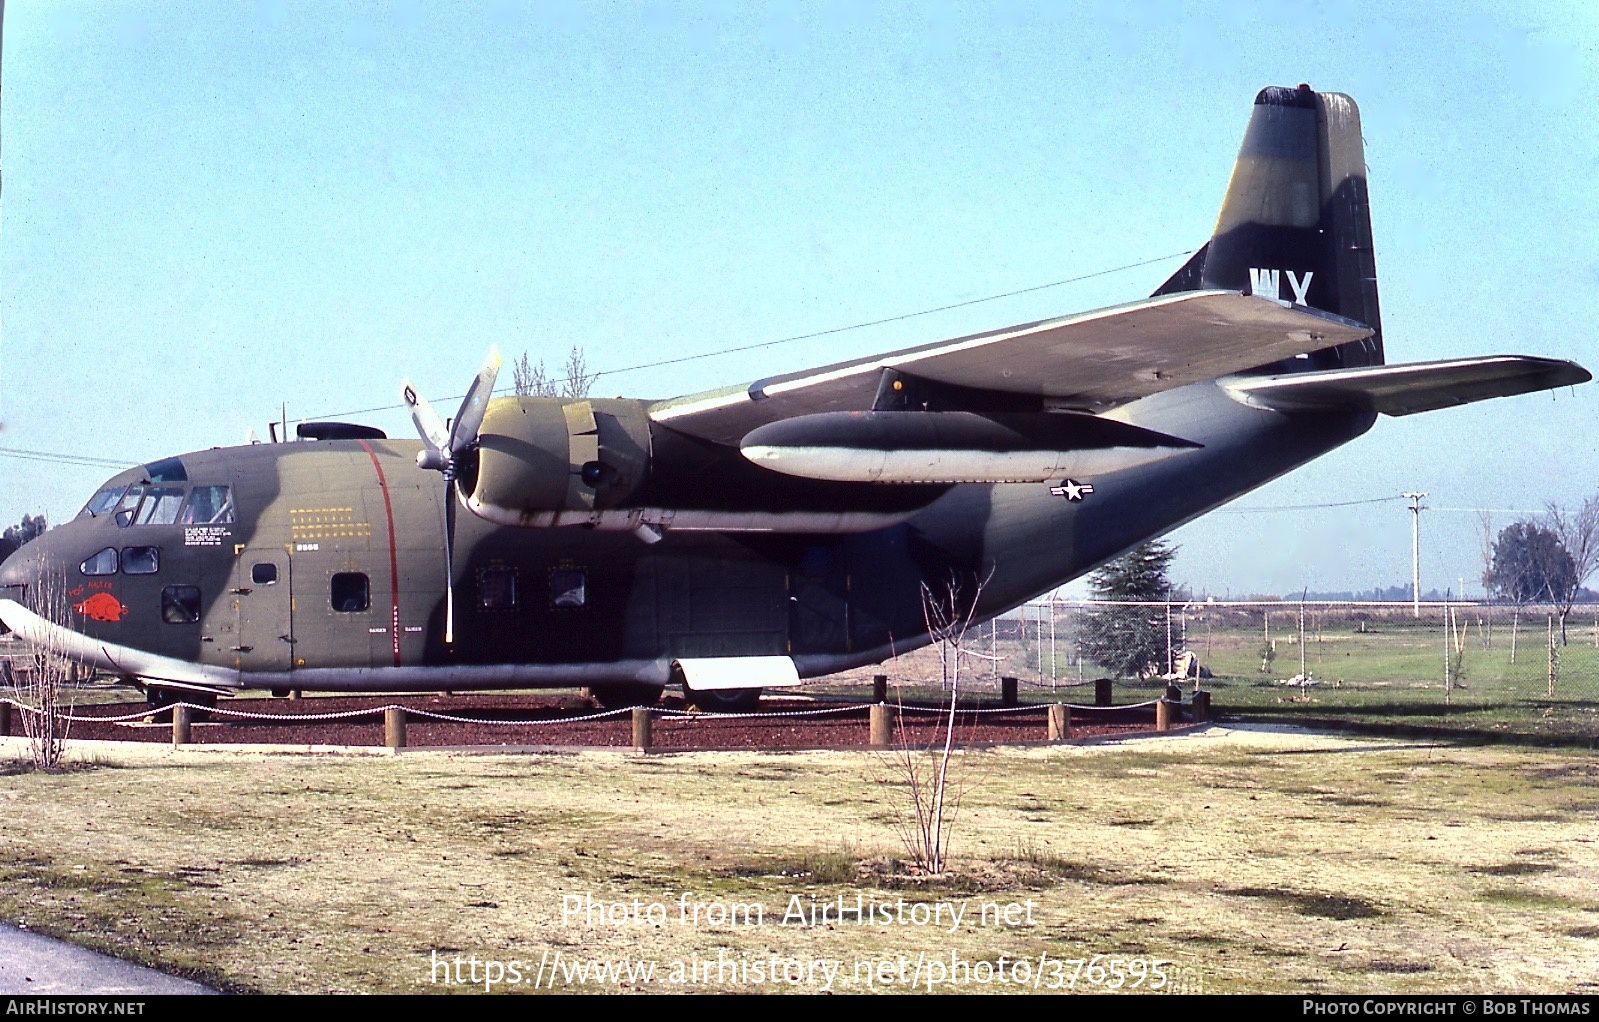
(18, 569)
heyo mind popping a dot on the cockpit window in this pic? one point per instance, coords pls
(102, 563)
(102, 502)
(208, 505)
(141, 560)
(149, 505)
(167, 470)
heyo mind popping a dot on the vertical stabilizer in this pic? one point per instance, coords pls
(1295, 223)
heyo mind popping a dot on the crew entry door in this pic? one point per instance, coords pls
(264, 637)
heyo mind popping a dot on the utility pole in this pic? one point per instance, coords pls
(1415, 550)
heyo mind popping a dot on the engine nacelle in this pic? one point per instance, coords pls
(538, 455)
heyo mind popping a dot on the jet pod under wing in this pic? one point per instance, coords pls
(954, 447)
(1092, 361)
(1411, 387)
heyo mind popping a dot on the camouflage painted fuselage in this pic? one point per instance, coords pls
(317, 510)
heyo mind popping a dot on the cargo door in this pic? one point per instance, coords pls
(819, 602)
(264, 604)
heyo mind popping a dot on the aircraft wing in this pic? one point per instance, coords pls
(1410, 387)
(1092, 361)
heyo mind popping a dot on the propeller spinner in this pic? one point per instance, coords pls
(442, 450)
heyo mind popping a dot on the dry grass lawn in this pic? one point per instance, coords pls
(1251, 860)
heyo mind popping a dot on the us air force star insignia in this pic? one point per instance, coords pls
(1072, 490)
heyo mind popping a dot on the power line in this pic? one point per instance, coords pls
(1305, 507)
(64, 459)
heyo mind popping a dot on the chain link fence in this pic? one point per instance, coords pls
(1491, 667)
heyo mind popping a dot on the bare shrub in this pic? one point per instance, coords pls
(926, 818)
(43, 688)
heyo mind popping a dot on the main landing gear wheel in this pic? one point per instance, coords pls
(159, 699)
(724, 700)
(625, 694)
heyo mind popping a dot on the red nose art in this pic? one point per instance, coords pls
(101, 607)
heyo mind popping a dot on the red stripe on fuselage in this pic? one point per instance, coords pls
(394, 559)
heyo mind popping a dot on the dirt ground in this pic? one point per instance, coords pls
(1234, 860)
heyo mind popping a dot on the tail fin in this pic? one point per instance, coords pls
(1296, 220)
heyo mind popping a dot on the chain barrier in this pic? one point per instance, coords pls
(125, 720)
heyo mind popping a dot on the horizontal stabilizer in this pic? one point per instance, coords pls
(1411, 387)
(954, 447)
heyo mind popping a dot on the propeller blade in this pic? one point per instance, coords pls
(427, 421)
(475, 405)
(449, 563)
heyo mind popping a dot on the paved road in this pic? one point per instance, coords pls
(31, 964)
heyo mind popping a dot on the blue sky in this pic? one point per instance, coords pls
(210, 209)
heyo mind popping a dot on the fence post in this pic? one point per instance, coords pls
(643, 716)
(5, 718)
(1060, 722)
(1201, 706)
(1101, 691)
(1554, 657)
(394, 727)
(1007, 691)
(180, 725)
(879, 688)
(1163, 714)
(882, 728)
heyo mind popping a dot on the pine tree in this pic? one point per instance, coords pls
(1130, 640)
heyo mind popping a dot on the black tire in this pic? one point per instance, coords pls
(160, 699)
(625, 694)
(725, 700)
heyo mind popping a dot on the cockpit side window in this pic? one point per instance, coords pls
(208, 505)
(129, 506)
(102, 502)
(141, 560)
(102, 563)
(149, 505)
(160, 506)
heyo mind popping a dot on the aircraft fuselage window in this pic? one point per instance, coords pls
(208, 505)
(180, 605)
(350, 592)
(141, 560)
(102, 502)
(264, 574)
(149, 505)
(568, 588)
(497, 588)
(102, 563)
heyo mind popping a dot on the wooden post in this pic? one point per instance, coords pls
(5, 719)
(1553, 656)
(1164, 710)
(1007, 691)
(394, 727)
(1201, 706)
(643, 716)
(1101, 691)
(1060, 722)
(1174, 692)
(180, 725)
(882, 726)
(879, 688)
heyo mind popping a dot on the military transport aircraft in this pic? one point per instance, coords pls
(746, 538)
